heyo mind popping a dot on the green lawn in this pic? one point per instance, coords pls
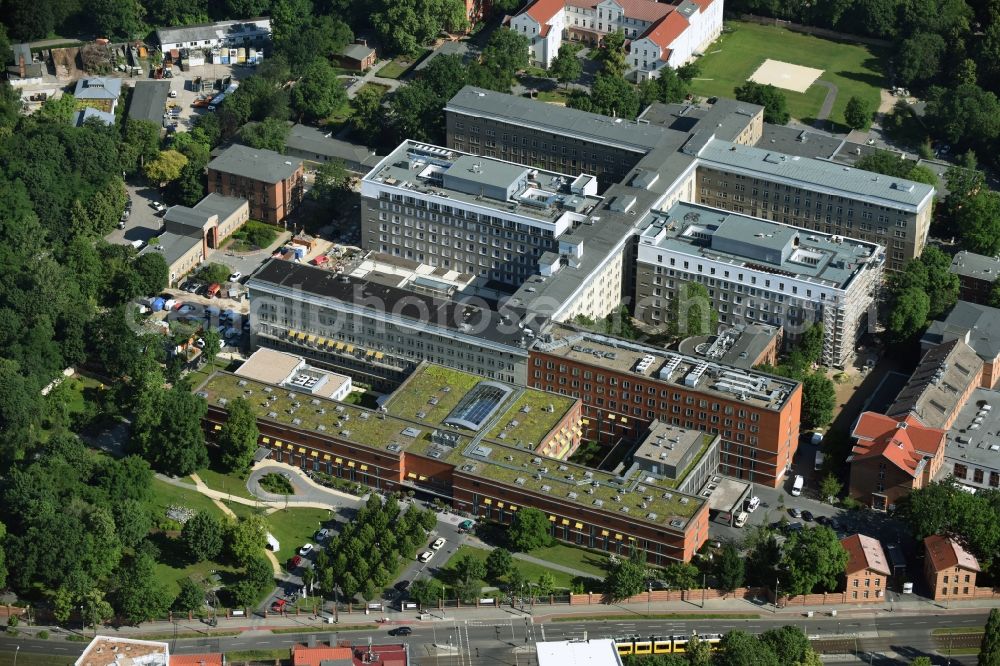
(396, 68)
(223, 482)
(377, 87)
(530, 570)
(855, 69)
(294, 527)
(25, 657)
(166, 495)
(575, 558)
(557, 96)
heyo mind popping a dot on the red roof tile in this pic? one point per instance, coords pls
(945, 553)
(196, 659)
(307, 656)
(863, 554)
(645, 10)
(666, 31)
(543, 10)
(904, 443)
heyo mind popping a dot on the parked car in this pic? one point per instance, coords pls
(807, 516)
(752, 503)
(173, 94)
(279, 605)
(193, 287)
(402, 585)
(213, 290)
(295, 562)
(438, 543)
(794, 527)
(824, 520)
(400, 631)
(158, 207)
(426, 556)
(322, 535)
(306, 549)
(235, 277)
(465, 526)
(795, 512)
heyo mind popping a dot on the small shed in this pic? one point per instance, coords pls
(358, 56)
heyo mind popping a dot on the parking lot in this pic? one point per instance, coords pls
(143, 223)
(182, 83)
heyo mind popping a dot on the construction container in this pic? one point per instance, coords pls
(241, 55)
(196, 59)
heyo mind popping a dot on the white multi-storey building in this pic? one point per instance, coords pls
(485, 217)
(661, 34)
(757, 271)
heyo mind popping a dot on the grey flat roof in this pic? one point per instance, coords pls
(172, 246)
(149, 101)
(255, 164)
(401, 303)
(312, 140)
(801, 142)
(979, 322)
(477, 180)
(973, 446)
(83, 115)
(815, 174)
(978, 266)
(674, 441)
(739, 345)
(206, 31)
(835, 263)
(217, 204)
(627, 134)
(728, 495)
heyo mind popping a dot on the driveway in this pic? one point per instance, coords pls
(143, 223)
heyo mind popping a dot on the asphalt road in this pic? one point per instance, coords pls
(511, 641)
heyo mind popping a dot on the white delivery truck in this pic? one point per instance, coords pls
(797, 485)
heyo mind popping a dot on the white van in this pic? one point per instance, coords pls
(797, 485)
(741, 519)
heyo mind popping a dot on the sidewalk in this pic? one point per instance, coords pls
(539, 614)
(475, 542)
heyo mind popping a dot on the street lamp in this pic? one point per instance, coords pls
(649, 595)
(16, 651)
(776, 582)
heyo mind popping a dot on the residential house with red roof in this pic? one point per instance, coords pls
(949, 568)
(867, 570)
(891, 457)
(658, 34)
(370, 655)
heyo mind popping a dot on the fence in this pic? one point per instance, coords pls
(812, 30)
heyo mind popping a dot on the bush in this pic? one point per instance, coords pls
(43, 635)
(257, 234)
(277, 484)
(214, 273)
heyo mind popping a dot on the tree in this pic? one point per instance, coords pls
(680, 576)
(611, 55)
(614, 96)
(922, 661)
(498, 564)
(166, 167)
(504, 55)
(96, 610)
(858, 113)
(62, 604)
(546, 583)
(566, 66)
(191, 596)
(908, 315)
(153, 272)
(529, 530)
(739, 648)
(141, 144)
(367, 118)
(415, 111)
(139, 594)
(238, 437)
(830, 487)
(176, 443)
(729, 568)
(989, 647)
(811, 343)
(691, 312)
(787, 642)
(246, 539)
(773, 100)
(965, 115)
(919, 59)
(116, 18)
(470, 568)
(625, 579)
(818, 400)
(810, 559)
(425, 591)
(268, 134)
(979, 221)
(454, 18)
(202, 535)
(318, 93)
(3, 558)
(332, 182)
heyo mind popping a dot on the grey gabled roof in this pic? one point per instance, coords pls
(979, 323)
(937, 387)
(217, 204)
(256, 164)
(98, 88)
(627, 134)
(357, 51)
(305, 139)
(149, 100)
(976, 266)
